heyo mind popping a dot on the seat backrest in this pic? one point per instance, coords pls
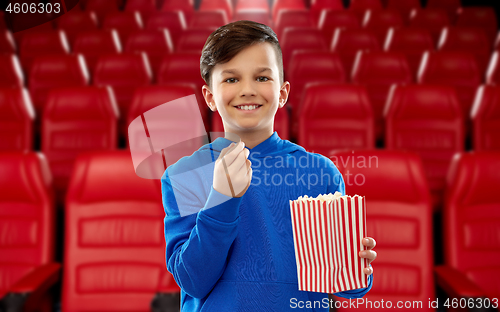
(225, 5)
(123, 22)
(16, 120)
(75, 22)
(256, 15)
(485, 116)
(27, 215)
(94, 43)
(156, 44)
(102, 7)
(11, 74)
(330, 20)
(184, 7)
(455, 68)
(114, 229)
(286, 4)
(412, 42)
(89, 123)
(426, 119)
(471, 219)
(398, 216)
(450, 6)
(7, 43)
(34, 44)
(174, 21)
(300, 38)
(123, 72)
(52, 71)
(432, 19)
(359, 7)
(469, 39)
(483, 17)
(320, 5)
(493, 71)
(335, 116)
(292, 18)
(208, 19)
(193, 40)
(379, 21)
(140, 5)
(347, 43)
(404, 6)
(307, 67)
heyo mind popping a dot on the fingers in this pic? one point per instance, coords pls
(368, 271)
(369, 242)
(233, 153)
(370, 255)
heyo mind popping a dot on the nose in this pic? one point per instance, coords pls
(247, 88)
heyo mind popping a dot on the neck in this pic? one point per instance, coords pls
(253, 138)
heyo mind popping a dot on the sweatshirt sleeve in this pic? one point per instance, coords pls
(339, 186)
(197, 244)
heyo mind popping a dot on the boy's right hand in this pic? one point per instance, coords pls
(233, 171)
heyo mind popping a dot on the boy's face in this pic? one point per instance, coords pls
(250, 77)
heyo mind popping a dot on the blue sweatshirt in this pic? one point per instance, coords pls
(237, 254)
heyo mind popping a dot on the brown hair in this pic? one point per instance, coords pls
(228, 40)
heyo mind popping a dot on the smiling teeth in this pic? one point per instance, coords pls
(248, 107)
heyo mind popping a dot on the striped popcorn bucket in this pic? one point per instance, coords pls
(327, 238)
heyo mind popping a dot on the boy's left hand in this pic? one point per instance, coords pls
(369, 254)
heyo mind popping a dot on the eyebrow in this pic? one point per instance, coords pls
(234, 71)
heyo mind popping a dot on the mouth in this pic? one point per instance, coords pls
(248, 107)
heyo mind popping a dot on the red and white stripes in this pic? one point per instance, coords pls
(327, 238)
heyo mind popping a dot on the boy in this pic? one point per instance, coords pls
(234, 250)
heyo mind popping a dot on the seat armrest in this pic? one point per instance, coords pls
(166, 300)
(456, 284)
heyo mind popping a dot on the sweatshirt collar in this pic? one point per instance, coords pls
(267, 145)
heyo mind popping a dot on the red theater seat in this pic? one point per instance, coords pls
(110, 207)
(102, 7)
(252, 5)
(380, 21)
(193, 40)
(76, 120)
(404, 7)
(485, 116)
(377, 71)
(281, 123)
(335, 116)
(75, 22)
(286, 4)
(468, 39)
(27, 243)
(412, 42)
(400, 220)
(300, 38)
(123, 22)
(256, 15)
(16, 120)
(11, 74)
(156, 44)
(224, 5)
(493, 72)
(359, 7)
(34, 44)
(434, 20)
(292, 18)
(54, 71)
(347, 43)
(330, 20)
(2, 20)
(184, 68)
(123, 72)
(92, 44)
(319, 5)
(483, 17)
(310, 67)
(7, 43)
(471, 269)
(426, 119)
(173, 21)
(457, 69)
(208, 19)
(146, 8)
(450, 6)
(184, 7)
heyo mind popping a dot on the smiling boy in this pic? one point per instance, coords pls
(235, 252)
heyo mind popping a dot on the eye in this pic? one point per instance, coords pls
(231, 80)
(262, 79)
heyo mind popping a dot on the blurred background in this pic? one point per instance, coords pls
(402, 95)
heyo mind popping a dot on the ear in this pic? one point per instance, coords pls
(209, 98)
(284, 92)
